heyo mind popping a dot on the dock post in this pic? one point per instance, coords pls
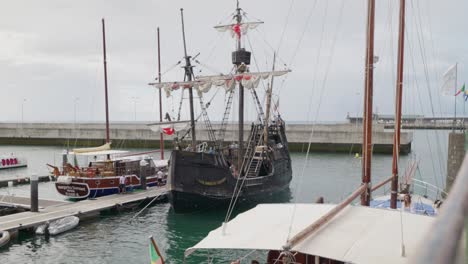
(34, 193)
(143, 164)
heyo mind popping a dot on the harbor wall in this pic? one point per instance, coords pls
(323, 137)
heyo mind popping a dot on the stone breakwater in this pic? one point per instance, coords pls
(323, 137)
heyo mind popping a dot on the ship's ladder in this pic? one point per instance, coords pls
(227, 111)
(209, 127)
(254, 154)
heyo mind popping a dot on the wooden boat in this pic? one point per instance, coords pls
(214, 173)
(59, 226)
(12, 161)
(4, 238)
(102, 176)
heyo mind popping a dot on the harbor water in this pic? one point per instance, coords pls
(116, 238)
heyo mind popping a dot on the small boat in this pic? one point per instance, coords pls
(59, 226)
(12, 161)
(4, 238)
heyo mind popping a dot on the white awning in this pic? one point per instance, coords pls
(106, 146)
(357, 234)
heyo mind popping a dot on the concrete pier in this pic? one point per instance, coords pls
(326, 137)
(456, 154)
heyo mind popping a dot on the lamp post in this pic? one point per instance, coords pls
(22, 115)
(134, 98)
(74, 112)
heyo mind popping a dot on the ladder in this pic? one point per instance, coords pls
(253, 156)
(211, 135)
(261, 114)
(227, 111)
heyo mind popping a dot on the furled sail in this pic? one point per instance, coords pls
(169, 128)
(203, 84)
(106, 146)
(237, 29)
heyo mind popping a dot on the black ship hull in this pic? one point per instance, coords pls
(199, 181)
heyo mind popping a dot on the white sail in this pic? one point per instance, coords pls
(106, 146)
(203, 84)
(170, 127)
(236, 29)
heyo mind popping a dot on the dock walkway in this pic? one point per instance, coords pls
(26, 220)
(25, 202)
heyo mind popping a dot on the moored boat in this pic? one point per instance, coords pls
(58, 226)
(212, 172)
(4, 238)
(12, 161)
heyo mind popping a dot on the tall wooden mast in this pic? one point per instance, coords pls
(105, 80)
(241, 93)
(188, 77)
(398, 99)
(368, 97)
(161, 140)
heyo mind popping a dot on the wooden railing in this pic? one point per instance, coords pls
(444, 243)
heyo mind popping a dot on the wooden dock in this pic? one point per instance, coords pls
(25, 202)
(82, 209)
(23, 180)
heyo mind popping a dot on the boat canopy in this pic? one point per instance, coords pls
(203, 84)
(357, 234)
(106, 146)
(100, 152)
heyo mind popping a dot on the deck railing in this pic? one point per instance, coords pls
(445, 243)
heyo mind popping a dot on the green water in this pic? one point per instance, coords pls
(116, 239)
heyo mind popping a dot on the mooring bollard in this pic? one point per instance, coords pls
(34, 193)
(143, 164)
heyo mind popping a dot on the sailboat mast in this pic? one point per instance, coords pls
(188, 75)
(105, 80)
(161, 140)
(268, 105)
(368, 97)
(399, 92)
(241, 93)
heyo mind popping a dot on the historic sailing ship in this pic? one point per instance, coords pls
(102, 175)
(208, 173)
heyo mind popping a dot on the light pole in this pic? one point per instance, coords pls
(74, 111)
(134, 98)
(22, 115)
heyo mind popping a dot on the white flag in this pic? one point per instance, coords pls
(449, 86)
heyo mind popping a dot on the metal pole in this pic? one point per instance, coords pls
(105, 80)
(367, 122)
(188, 75)
(399, 92)
(143, 164)
(161, 140)
(34, 193)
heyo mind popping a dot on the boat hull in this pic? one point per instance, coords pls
(85, 187)
(198, 181)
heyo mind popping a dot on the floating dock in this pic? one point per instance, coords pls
(82, 209)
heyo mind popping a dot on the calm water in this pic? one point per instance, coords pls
(116, 239)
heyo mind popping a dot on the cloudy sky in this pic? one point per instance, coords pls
(51, 55)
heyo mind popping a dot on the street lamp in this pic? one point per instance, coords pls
(22, 115)
(74, 111)
(134, 98)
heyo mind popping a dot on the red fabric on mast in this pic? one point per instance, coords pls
(237, 29)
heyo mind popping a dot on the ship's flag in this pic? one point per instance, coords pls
(168, 130)
(155, 256)
(450, 79)
(464, 91)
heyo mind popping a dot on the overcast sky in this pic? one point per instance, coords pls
(51, 55)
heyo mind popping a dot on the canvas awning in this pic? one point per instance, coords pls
(357, 234)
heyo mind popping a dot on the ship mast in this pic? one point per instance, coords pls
(161, 140)
(188, 77)
(398, 99)
(367, 116)
(239, 50)
(105, 80)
